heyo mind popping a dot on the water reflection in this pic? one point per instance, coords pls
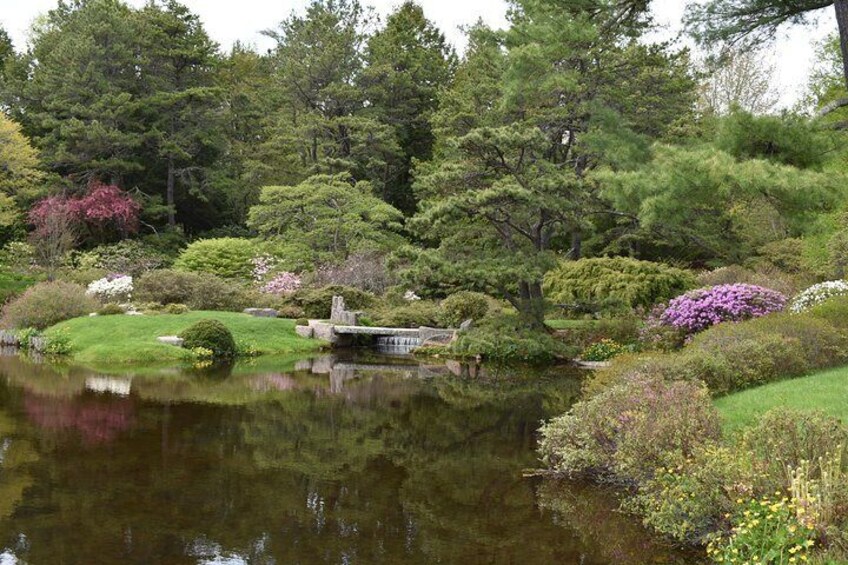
(338, 460)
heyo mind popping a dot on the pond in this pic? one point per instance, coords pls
(341, 459)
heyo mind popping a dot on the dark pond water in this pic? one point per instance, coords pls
(345, 460)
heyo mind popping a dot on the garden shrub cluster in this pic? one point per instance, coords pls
(46, 304)
(210, 335)
(732, 357)
(197, 291)
(616, 282)
(317, 303)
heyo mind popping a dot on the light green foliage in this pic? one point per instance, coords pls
(702, 203)
(20, 176)
(463, 306)
(210, 334)
(227, 257)
(602, 350)
(616, 282)
(330, 214)
(46, 304)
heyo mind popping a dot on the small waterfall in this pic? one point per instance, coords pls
(396, 344)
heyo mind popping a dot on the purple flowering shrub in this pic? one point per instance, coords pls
(699, 309)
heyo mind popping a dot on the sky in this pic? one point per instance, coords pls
(226, 21)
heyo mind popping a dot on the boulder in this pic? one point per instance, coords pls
(171, 340)
(303, 331)
(261, 312)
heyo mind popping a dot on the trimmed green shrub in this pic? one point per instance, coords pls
(227, 257)
(46, 304)
(110, 309)
(616, 282)
(317, 303)
(211, 335)
(464, 305)
(198, 292)
(301, 322)
(290, 311)
(408, 315)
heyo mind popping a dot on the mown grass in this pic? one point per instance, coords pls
(131, 340)
(826, 391)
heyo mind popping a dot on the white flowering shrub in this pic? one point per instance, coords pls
(410, 296)
(817, 294)
(114, 288)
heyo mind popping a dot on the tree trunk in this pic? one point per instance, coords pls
(576, 250)
(531, 304)
(169, 194)
(841, 7)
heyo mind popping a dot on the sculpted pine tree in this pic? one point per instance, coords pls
(520, 129)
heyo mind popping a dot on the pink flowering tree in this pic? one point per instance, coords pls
(282, 283)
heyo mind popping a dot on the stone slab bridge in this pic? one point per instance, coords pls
(342, 328)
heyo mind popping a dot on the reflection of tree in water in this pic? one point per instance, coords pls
(96, 419)
(17, 456)
(388, 470)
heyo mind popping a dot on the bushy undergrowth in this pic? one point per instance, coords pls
(616, 282)
(317, 303)
(409, 314)
(46, 304)
(197, 291)
(628, 431)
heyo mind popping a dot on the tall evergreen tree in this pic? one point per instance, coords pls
(77, 91)
(408, 62)
(321, 126)
(180, 103)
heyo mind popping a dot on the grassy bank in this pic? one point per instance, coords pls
(825, 391)
(124, 340)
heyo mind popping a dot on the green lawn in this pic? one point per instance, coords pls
(109, 340)
(826, 391)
